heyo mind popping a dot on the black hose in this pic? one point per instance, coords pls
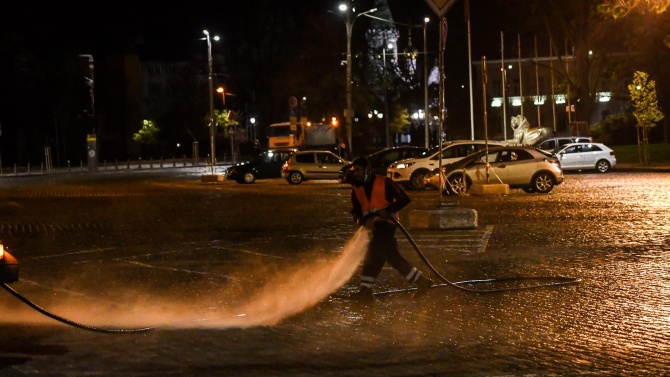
(556, 280)
(72, 323)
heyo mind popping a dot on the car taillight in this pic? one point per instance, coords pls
(611, 153)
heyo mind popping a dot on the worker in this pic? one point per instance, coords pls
(374, 200)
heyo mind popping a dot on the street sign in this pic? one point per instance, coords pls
(440, 7)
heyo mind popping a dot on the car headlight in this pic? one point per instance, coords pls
(404, 165)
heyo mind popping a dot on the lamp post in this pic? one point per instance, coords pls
(211, 95)
(386, 96)
(426, 118)
(349, 24)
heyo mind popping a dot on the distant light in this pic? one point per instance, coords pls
(426, 20)
(343, 7)
(516, 102)
(496, 102)
(560, 99)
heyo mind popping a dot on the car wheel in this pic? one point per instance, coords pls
(602, 166)
(248, 177)
(543, 183)
(457, 185)
(295, 177)
(418, 179)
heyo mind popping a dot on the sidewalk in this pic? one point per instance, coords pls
(632, 167)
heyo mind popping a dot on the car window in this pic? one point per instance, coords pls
(392, 156)
(523, 155)
(549, 144)
(564, 141)
(504, 156)
(573, 149)
(592, 148)
(305, 158)
(327, 158)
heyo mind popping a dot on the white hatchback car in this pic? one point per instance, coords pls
(412, 172)
(586, 156)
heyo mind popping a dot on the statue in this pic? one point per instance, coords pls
(524, 134)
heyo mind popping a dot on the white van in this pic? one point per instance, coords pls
(411, 172)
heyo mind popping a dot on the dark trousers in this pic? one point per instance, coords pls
(383, 248)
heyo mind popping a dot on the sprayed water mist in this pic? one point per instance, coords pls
(285, 292)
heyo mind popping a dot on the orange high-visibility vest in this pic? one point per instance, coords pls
(378, 198)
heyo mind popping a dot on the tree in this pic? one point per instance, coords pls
(646, 111)
(622, 8)
(147, 134)
(593, 40)
(399, 121)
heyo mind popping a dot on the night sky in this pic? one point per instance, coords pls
(162, 26)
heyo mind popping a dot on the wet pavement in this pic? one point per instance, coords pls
(233, 277)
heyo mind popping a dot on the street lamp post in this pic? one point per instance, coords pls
(386, 96)
(426, 118)
(349, 24)
(211, 96)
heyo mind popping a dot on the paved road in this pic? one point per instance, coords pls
(233, 276)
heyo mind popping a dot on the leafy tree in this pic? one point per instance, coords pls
(615, 129)
(646, 111)
(147, 134)
(399, 120)
(621, 8)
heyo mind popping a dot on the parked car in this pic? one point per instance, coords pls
(265, 165)
(550, 145)
(528, 168)
(381, 159)
(586, 156)
(412, 172)
(305, 165)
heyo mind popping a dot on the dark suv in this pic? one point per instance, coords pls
(552, 144)
(265, 165)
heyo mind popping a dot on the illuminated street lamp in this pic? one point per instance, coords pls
(211, 94)
(223, 95)
(349, 24)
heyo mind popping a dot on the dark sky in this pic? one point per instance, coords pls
(115, 24)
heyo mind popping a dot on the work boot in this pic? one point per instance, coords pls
(364, 295)
(423, 285)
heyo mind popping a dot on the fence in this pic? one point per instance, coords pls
(46, 168)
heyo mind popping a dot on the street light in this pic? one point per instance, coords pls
(211, 94)
(349, 24)
(223, 95)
